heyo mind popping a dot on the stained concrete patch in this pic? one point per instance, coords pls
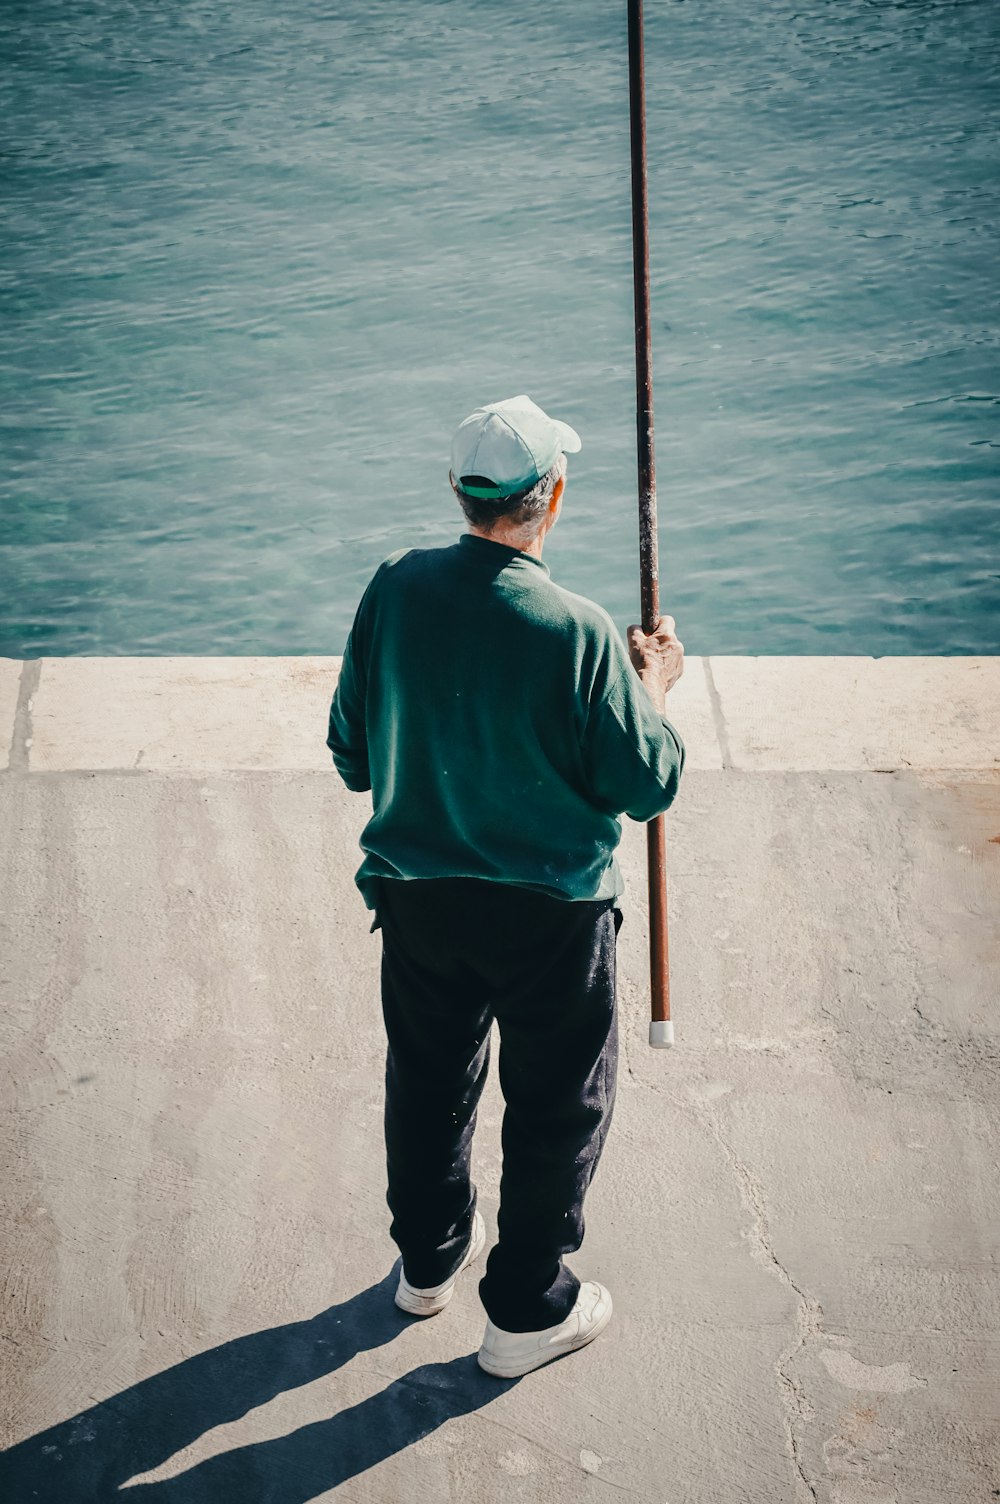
(10, 679)
(805, 714)
(892, 1378)
(517, 1464)
(862, 1491)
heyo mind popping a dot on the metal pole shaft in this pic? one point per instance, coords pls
(648, 552)
(648, 563)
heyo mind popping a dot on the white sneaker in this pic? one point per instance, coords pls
(433, 1299)
(509, 1354)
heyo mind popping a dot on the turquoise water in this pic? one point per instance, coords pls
(258, 261)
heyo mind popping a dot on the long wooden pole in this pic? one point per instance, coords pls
(661, 1029)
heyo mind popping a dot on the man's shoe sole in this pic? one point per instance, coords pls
(513, 1368)
(429, 1305)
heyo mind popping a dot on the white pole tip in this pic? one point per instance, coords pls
(661, 1033)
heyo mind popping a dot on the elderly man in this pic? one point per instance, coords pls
(502, 729)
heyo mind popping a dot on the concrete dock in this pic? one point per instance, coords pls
(798, 1210)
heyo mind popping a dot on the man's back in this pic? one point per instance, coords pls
(499, 724)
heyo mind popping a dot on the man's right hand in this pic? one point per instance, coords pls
(657, 658)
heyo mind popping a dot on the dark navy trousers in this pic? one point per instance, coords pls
(457, 953)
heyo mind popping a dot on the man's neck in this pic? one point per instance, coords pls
(510, 540)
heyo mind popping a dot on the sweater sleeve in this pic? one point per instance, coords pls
(347, 732)
(633, 757)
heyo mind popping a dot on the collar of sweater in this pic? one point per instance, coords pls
(488, 551)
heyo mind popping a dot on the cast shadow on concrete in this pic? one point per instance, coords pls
(87, 1459)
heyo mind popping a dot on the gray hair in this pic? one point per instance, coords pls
(522, 512)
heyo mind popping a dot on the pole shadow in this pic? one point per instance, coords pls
(87, 1459)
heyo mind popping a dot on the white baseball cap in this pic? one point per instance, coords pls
(505, 447)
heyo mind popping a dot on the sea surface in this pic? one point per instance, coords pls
(257, 261)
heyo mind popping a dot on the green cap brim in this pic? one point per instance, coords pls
(494, 493)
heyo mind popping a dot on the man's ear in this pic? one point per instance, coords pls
(451, 482)
(555, 503)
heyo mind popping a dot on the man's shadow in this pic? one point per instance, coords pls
(87, 1458)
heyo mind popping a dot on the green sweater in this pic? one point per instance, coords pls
(499, 724)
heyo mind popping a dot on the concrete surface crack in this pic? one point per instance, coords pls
(718, 719)
(20, 742)
(928, 1025)
(627, 1053)
(808, 1312)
